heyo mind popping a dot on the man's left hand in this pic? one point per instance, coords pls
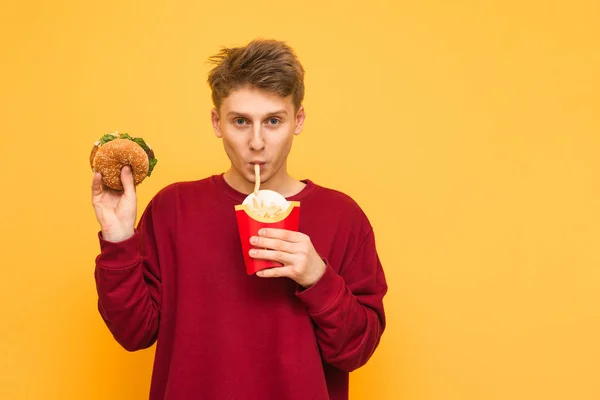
(292, 249)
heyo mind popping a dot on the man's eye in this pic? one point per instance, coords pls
(239, 121)
(273, 121)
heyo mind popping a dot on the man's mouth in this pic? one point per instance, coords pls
(260, 163)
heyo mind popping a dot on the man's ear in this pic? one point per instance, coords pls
(215, 119)
(300, 116)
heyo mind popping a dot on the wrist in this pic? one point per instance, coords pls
(117, 236)
(318, 275)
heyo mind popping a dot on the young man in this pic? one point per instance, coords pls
(178, 279)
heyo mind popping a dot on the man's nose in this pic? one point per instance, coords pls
(257, 141)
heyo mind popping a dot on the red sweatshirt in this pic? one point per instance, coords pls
(222, 334)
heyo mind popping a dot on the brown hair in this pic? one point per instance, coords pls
(270, 65)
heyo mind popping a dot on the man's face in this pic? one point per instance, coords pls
(257, 127)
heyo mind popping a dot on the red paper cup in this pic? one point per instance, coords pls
(249, 225)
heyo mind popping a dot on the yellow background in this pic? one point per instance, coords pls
(468, 131)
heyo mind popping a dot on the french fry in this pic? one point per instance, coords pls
(257, 178)
(264, 209)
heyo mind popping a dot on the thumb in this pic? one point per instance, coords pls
(97, 185)
(127, 181)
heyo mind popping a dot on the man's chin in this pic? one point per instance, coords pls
(264, 178)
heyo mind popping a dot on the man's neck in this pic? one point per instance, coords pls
(283, 184)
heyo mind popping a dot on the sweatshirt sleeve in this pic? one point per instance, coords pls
(347, 308)
(128, 285)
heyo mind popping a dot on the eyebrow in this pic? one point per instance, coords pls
(278, 112)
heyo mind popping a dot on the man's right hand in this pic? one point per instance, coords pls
(115, 211)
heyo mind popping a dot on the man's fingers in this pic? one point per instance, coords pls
(271, 255)
(277, 272)
(97, 185)
(282, 234)
(127, 181)
(273, 244)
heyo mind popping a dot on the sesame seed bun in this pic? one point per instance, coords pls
(109, 158)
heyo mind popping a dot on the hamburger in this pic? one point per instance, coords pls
(114, 151)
